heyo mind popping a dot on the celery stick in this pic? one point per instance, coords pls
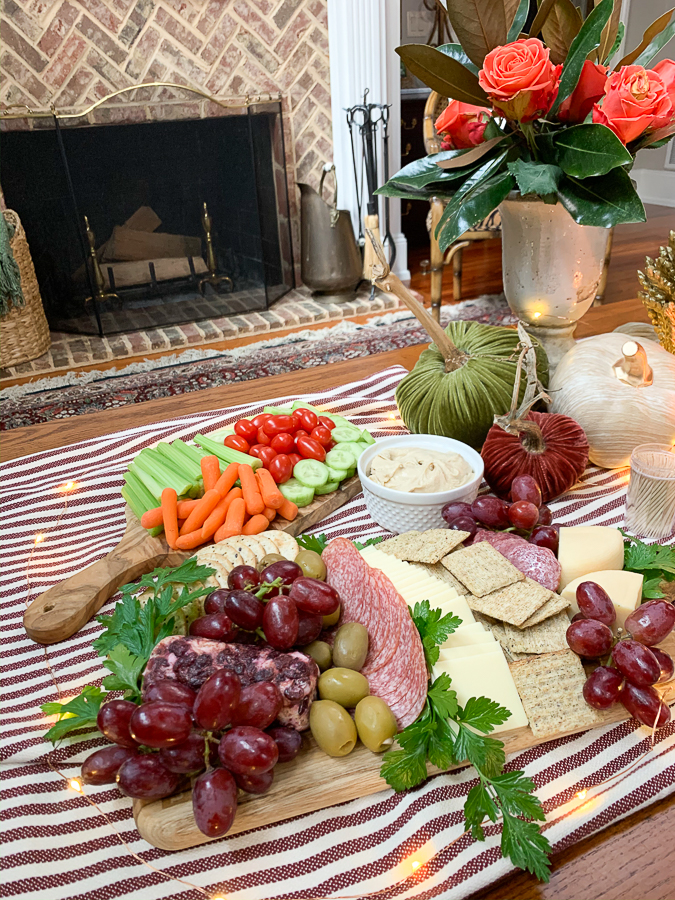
(178, 462)
(139, 508)
(191, 451)
(221, 433)
(153, 467)
(227, 454)
(279, 410)
(146, 496)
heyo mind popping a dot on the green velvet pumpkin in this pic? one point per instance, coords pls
(461, 403)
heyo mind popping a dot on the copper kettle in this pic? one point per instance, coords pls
(330, 258)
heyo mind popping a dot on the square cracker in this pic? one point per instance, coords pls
(514, 603)
(554, 605)
(426, 547)
(399, 543)
(550, 687)
(546, 637)
(483, 570)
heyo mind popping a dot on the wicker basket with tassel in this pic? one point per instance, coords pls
(658, 281)
(24, 332)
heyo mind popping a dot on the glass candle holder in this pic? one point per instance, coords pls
(650, 504)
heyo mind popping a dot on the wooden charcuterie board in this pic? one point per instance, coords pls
(65, 608)
(314, 781)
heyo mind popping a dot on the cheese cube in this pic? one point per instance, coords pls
(588, 548)
(624, 589)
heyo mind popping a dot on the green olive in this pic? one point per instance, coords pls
(332, 727)
(350, 647)
(268, 560)
(321, 654)
(332, 619)
(375, 724)
(311, 564)
(344, 686)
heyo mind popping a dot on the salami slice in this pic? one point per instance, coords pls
(538, 563)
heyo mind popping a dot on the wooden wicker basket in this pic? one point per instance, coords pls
(24, 332)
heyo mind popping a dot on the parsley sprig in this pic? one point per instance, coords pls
(315, 542)
(434, 629)
(655, 561)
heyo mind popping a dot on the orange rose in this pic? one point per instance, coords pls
(461, 125)
(590, 88)
(520, 79)
(666, 72)
(636, 99)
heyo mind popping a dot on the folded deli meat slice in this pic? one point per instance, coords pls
(395, 666)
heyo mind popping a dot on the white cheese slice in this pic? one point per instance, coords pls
(485, 676)
(463, 637)
(588, 548)
(624, 589)
(485, 649)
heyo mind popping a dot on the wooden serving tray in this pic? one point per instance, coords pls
(65, 608)
(313, 781)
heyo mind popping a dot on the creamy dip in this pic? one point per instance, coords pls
(418, 471)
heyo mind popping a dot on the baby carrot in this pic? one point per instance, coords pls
(210, 466)
(201, 512)
(256, 524)
(170, 516)
(152, 518)
(269, 491)
(249, 487)
(185, 507)
(234, 521)
(227, 479)
(217, 517)
(288, 510)
(269, 513)
(190, 541)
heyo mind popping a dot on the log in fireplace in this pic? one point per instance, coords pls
(140, 225)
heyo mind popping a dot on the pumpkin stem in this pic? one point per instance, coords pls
(387, 281)
(633, 367)
(514, 422)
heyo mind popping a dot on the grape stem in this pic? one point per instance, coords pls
(264, 589)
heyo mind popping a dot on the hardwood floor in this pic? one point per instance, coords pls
(482, 262)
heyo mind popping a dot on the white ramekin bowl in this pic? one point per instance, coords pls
(399, 511)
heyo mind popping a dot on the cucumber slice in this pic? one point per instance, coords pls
(337, 458)
(299, 404)
(311, 473)
(278, 410)
(345, 433)
(327, 488)
(297, 493)
(339, 420)
(337, 474)
(366, 437)
(351, 473)
(356, 448)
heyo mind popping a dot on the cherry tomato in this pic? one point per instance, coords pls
(266, 455)
(260, 420)
(294, 458)
(237, 442)
(331, 445)
(296, 421)
(300, 433)
(310, 449)
(281, 468)
(277, 425)
(322, 435)
(308, 419)
(263, 437)
(282, 443)
(255, 450)
(329, 423)
(246, 429)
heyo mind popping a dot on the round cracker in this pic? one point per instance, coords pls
(266, 543)
(221, 556)
(287, 545)
(254, 545)
(241, 548)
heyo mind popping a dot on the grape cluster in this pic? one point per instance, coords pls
(524, 515)
(634, 664)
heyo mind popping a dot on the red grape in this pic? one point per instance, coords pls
(602, 687)
(645, 705)
(113, 722)
(214, 802)
(217, 700)
(545, 536)
(523, 514)
(524, 487)
(215, 601)
(452, 511)
(666, 663)
(101, 767)
(244, 609)
(186, 757)
(157, 724)
(169, 691)
(594, 602)
(285, 569)
(259, 705)
(146, 778)
(588, 637)
(281, 623)
(288, 741)
(651, 622)
(577, 617)
(217, 626)
(545, 516)
(248, 751)
(314, 596)
(309, 628)
(243, 578)
(464, 523)
(255, 784)
(636, 662)
(491, 511)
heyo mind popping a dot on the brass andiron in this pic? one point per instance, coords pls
(213, 278)
(100, 293)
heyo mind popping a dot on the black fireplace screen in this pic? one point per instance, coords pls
(139, 226)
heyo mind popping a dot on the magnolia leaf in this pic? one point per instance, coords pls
(535, 178)
(587, 40)
(542, 14)
(401, 192)
(617, 43)
(471, 184)
(481, 25)
(456, 52)
(429, 168)
(609, 33)
(443, 74)
(589, 150)
(470, 156)
(519, 20)
(656, 139)
(476, 206)
(560, 28)
(603, 201)
(643, 53)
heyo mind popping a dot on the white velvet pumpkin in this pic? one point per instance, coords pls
(617, 415)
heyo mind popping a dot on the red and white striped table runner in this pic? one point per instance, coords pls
(57, 847)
